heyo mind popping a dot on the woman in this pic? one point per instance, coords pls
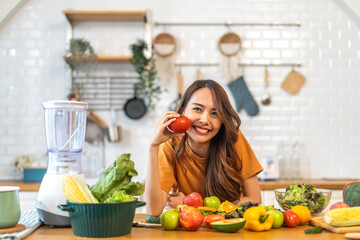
(212, 157)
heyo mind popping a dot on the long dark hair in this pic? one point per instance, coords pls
(223, 164)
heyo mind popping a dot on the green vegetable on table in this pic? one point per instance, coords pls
(352, 195)
(115, 185)
(306, 195)
(152, 219)
(317, 229)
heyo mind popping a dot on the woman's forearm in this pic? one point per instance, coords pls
(155, 197)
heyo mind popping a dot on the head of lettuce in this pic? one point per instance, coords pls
(115, 185)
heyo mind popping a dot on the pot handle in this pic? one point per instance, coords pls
(65, 208)
(140, 204)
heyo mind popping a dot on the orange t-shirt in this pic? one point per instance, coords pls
(172, 175)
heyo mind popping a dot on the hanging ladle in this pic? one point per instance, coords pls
(266, 98)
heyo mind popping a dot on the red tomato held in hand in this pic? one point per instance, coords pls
(213, 218)
(180, 125)
(291, 219)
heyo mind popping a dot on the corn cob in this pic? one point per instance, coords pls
(76, 191)
(343, 217)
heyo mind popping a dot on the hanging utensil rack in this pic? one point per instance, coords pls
(105, 92)
(228, 24)
(204, 64)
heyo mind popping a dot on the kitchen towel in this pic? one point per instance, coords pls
(30, 219)
(243, 97)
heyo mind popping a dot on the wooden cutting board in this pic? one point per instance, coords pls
(319, 221)
(293, 82)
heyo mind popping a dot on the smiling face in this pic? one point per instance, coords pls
(205, 121)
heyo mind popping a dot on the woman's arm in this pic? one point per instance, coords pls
(156, 197)
(251, 190)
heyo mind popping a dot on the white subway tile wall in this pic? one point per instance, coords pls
(324, 117)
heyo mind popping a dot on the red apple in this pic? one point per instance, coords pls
(193, 199)
(191, 218)
(339, 205)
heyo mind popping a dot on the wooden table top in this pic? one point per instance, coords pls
(46, 233)
(335, 184)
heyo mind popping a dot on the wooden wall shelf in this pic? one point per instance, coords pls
(105, 16)
(112, 59)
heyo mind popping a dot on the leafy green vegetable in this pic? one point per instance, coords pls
(117, 177)
(306, 195)
(119, 196)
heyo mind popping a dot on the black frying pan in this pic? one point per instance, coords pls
(135, 107)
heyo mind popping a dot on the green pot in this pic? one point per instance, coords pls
(101, 219)
(9, 206)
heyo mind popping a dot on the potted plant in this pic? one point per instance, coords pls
(80, 55)
(148, 88)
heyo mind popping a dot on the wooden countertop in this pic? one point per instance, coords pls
(47, 233)
(335, 184)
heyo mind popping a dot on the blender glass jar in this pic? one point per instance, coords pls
(65, 124)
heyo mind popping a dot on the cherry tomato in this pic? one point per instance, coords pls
(291, 219)
(181, 124)
(213, 218)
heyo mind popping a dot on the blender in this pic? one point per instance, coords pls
(65, 124)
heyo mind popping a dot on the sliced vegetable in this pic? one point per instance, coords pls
(229, 226)
(213, 218)
(228, 207)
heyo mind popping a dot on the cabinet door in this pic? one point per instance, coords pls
(28, 200)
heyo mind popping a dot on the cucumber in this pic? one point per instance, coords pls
(152, 219)
(317, 229)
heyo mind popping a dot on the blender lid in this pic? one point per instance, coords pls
(65, 104)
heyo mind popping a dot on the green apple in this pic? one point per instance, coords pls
(170, 219)
(278, 217)
(212, 201)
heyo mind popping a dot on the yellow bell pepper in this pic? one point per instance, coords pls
(257, 219)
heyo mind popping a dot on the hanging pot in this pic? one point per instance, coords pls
(135, 107)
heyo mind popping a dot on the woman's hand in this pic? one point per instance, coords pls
(162, 134)
(175, 199)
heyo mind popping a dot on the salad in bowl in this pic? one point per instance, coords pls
(303, 194)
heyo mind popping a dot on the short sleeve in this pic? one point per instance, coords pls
(167, 169)
(250, 163)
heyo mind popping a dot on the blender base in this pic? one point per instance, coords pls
(54, 220)
(50, 196)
